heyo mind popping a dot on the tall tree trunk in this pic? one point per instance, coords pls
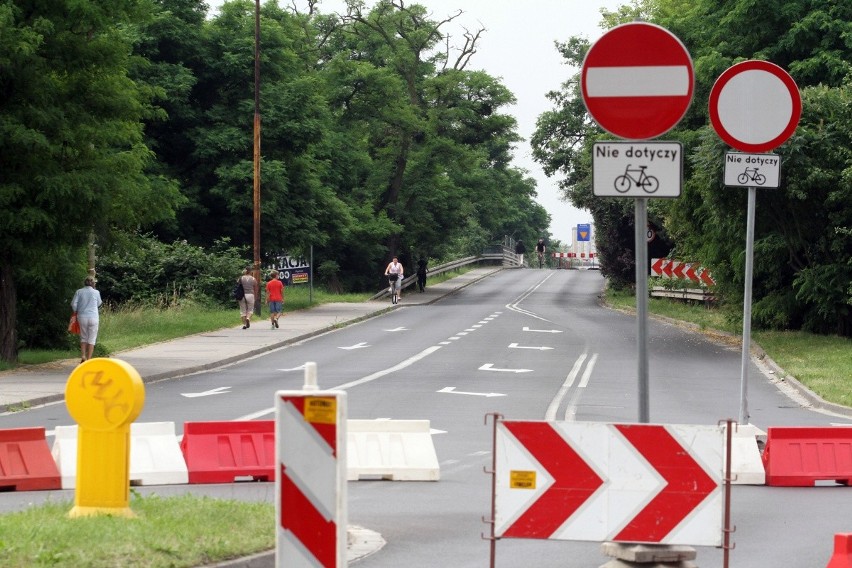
(8, 313)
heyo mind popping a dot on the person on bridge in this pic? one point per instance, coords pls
(540, 249)
(421, 274)
(395, 267)
(520, 249)
(274, 297)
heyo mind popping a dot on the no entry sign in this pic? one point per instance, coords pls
(637, 81)
(755, 106)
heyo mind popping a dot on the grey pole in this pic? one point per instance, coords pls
(311, 278)
(641, 238)
(749, 269)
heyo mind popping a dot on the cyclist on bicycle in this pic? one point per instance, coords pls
(540, 249)
(394, 272)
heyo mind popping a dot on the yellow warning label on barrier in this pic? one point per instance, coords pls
(522, 479)
(321, 410)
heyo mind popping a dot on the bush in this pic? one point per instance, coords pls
(149, 272)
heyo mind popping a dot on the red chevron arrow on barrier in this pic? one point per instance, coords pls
(706, 278)
(678, 269)
(657, 266)
(667, 267)
(690, 272)
(687, 484)
(573, 480)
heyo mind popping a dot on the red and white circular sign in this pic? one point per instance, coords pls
(637, 81)
(755, 106)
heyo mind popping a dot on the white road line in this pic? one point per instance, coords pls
(588, 372)
(516, 308)
(377, 375)
(550, 414)
(398, 367)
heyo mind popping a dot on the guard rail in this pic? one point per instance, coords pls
(490, 254)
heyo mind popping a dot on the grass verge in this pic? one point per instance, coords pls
(131, 327)
(823, 363)
(183, 531)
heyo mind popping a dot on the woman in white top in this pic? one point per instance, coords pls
(395, 267)
(86, 302)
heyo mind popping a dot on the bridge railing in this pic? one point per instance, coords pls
(492, 254)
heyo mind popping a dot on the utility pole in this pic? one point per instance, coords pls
(257, 156)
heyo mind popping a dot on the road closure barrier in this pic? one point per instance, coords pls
(155, 455)
(224, 452)
(801, 456)
(842, 556)
(746, 461)
(395, 450)
(25, 461)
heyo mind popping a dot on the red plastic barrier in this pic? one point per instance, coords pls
(842, 557)
(222, 452)
(800, 456)
(25, 461)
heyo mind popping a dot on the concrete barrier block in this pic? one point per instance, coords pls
(396, 450)
(155, 456)
(746, 462)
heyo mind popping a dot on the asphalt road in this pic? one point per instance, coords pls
(540, 344)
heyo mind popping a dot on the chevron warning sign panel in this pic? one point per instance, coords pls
(644, 483)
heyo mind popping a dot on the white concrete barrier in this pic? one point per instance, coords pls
(155, 456)
(396, 450)
(746, 464)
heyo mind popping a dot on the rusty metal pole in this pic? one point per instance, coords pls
(256, 275)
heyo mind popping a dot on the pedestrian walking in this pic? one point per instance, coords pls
(520, 249)
(274, 297)
(249, 284)
(85, 304)
(421, 274)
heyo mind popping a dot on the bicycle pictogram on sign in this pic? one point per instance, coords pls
(627, 180)
(752, 174)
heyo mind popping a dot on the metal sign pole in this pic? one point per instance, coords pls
(641, 225)
(749, 269)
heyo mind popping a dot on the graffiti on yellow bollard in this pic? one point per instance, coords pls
(104, 396)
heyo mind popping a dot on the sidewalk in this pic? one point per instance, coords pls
(42, 384)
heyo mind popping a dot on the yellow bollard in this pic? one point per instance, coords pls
(104, 396)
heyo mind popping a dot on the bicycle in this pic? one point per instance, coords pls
(624, 182)
(394, 290)
(753, 175)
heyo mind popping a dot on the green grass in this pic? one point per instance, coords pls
(128, 328)
(821, 363)
(170, 532)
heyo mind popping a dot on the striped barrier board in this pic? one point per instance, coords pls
(310, 485)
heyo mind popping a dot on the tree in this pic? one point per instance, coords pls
(73, 158)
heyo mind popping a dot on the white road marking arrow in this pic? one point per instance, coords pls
(453, 390)
(299, 368)
(543, 330)
(356, 346)
(220, 390)
(516, 346)
(490, 367)
(398, 329)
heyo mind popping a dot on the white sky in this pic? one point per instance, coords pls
(518, 46)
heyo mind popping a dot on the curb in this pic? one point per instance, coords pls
(758, 357)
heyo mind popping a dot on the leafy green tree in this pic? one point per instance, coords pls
(71, 145)
(802, 243)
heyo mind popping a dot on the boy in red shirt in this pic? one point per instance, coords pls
(274, 297)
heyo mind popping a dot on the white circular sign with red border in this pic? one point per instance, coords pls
(637, 81)
(755, 106)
